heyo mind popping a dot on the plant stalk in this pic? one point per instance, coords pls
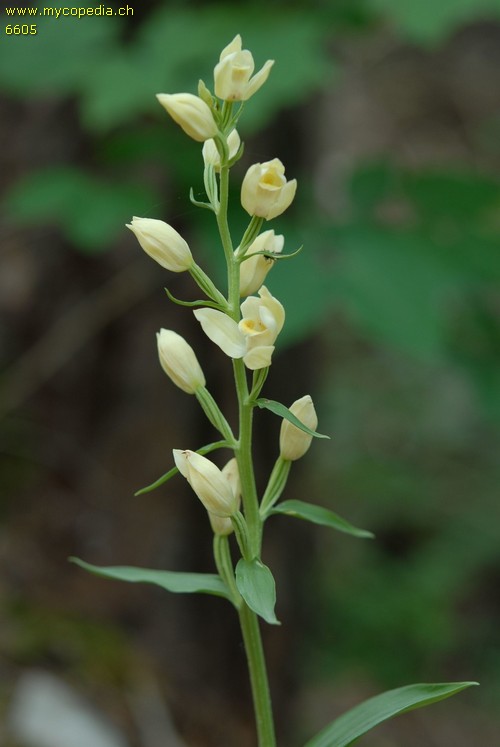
(248, 619)
(258, 677)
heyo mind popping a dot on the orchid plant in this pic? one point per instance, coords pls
(247, 332)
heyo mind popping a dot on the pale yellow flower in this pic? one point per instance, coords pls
(233, 74)
(178, 360)
(163, 243)
(254, 337)
(253, 271)
(210, 484)
(265, 192)
(191, 113)
(211, 154)
(294, 442)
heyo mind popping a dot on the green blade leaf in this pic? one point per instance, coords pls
(179, 583)
(284, 412)
(360, 719)
(256, 585)
(319, 515)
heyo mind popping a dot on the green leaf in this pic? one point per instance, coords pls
(429, 22)
(351, 725)
(256, 585)
(319, 515)
(179, 583)
(284, 412)
(57, 195)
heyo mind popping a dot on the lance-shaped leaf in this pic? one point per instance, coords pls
(345, 730)
(319, 515)
(177, 582)
(284, 412)
(256, 585)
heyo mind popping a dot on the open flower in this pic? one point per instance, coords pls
(163, 243)
(253, 338)
(213, 487)
(293, 441)
(178, 360)
(253, 271)
(191, 113)
(233, 74)
(265, 192)
(211, 154)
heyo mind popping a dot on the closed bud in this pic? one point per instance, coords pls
(162, 243)
(265, 192)
(294, 442)
(220, 525)
(191, 113)
(233, 74)
(253, 271)
(178, 360)
(209, 483)
(211, 155)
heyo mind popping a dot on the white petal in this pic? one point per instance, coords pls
(258, 79)
(234, 46)
(222, 330)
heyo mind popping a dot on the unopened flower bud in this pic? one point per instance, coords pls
(178, 360)
(162, 243)
(211, 154)
(220, 525)
(253, 271)
(265, 192)
(191, 113)
(233, 74)
(294, 442)
(208, 482)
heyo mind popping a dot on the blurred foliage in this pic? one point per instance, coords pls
(428, 22)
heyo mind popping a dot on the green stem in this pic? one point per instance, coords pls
(258, 677)
(245, 462)
(275, 486)
(243, 451)
(224, 565)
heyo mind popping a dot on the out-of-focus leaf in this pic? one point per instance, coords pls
(90, 212)
(429, 22)
(65, 52)
(392, 287)
(319, 515)
(346, 729)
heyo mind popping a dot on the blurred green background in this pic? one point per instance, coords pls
(388, 114)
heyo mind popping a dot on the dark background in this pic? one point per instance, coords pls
(388, 114)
